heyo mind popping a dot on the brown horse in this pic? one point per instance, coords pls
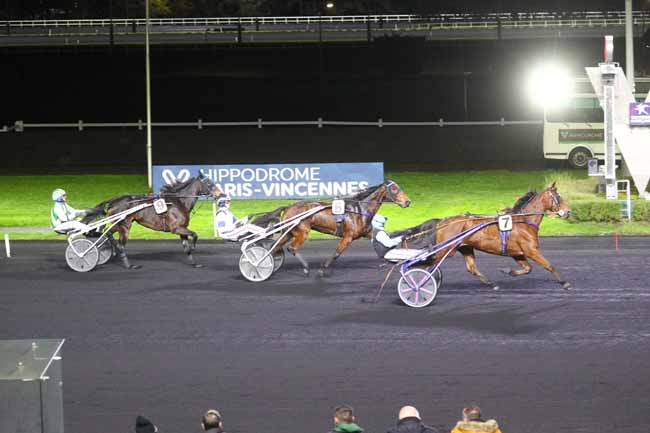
(359, 211)
(180, 199)
(521, 244)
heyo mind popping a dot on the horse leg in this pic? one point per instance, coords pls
(299, 237)
(470, 264)
(525, 267)
(536, 255)
(188, 246)
(342, 245)
(123, 229)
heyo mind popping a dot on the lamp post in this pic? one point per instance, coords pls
(629, 44)
(327, 5)
(465, 93)
(148, 84)
(110, 17)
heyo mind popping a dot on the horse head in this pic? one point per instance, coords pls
(394, 194)
(208, 187)
(553, 201)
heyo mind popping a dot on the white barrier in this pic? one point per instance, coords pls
(7, 246)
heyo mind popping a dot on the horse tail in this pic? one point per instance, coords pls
(420, 236)
(275, 216)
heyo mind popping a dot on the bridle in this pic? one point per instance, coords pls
(556, 198)
(390, 194)
(207, 186)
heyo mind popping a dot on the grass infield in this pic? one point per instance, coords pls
(25, 200)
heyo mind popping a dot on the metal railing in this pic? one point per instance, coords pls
(443, 21)
(20, 126)
(211, 21)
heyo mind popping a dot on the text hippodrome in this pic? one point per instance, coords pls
(293, 189)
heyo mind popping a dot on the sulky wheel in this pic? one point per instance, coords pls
(105, 252)
(278, 259)
(416, 288)
(437, 274)
(254, 271)
(81, 255)
(278, 256)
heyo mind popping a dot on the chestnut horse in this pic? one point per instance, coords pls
(180, 199)
(359, 211)
(521, 244)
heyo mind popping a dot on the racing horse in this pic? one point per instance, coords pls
(521, 244)
(359, 211)
(180, 199)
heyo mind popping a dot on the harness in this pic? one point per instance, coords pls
(504, 234)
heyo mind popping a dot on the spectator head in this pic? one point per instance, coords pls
(472, 413)
(212, 420)
(143, 425)
(343, 414)
(408, 412)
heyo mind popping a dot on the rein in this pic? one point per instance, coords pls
(481, 217)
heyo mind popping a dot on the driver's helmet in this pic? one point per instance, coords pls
(58, 194)
(378, 222)
(223, 200)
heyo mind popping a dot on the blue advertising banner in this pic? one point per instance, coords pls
(297, 181)
(639, 114)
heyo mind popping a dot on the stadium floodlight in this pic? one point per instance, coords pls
(329, 5)
(550, 85)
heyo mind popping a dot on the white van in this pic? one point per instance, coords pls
(576, 142)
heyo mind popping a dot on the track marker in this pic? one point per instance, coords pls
(7, 247)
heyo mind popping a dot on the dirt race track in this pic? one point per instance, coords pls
(170, 341)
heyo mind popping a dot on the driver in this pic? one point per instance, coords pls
(225, 220)
(384, 245)
(63, 217)
(381, 241)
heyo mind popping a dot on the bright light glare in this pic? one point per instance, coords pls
(329, 5)
(550, 86)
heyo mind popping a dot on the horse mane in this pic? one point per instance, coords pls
(365, 193)
(177, 187)
(521, 202)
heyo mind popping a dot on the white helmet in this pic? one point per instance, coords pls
(223, 199)
(378, 221)
(58, 194)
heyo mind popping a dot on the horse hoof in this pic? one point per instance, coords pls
(321, 273)
(133, 267)
(495, 288)
(567, 286)
(305, 272)
(505, 270)
(197, 265)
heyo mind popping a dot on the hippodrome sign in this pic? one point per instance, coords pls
(296, 181)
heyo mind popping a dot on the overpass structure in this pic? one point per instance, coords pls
(317, 29)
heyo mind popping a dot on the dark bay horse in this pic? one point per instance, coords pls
(521, 244)
(180, 199)
(359, 211)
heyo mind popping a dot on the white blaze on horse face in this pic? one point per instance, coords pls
(170, 178)
(561, 213)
